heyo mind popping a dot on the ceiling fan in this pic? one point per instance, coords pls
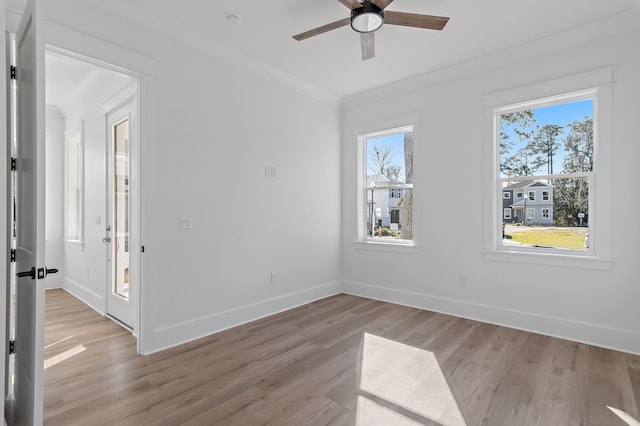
(367, 16)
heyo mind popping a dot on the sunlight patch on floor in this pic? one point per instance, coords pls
(63, 356)
(59, 341)
(626, 417)
(408, 378)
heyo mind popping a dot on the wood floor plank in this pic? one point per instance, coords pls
(306, 366)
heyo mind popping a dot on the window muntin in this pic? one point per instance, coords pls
(387, 186)
(547, 145)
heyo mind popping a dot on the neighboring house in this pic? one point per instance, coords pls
(536, 198)
(387, 193)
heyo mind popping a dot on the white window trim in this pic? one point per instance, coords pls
(598, 85)
(506, 195)
(380, 128)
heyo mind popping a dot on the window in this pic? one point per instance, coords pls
(520, 194)
(506, 214)
(396, 192)
(74, 188)
(548, 143)
(564, 146)
(386, 186)
(506, 195)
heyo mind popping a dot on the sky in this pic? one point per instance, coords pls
(396, 143)
(562, 115)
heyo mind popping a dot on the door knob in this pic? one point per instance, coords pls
(31, 273)
(50, 270)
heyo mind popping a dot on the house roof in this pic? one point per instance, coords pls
(524, 184)
(382, 180)
(531, 204)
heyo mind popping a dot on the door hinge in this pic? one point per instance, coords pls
(12, 347)
(141, 249)
(13, 255)
(14, 164)
(13, 72)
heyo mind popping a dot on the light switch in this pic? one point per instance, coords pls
(186, 223)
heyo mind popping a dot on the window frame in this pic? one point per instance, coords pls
(596, 85)
(401, 124)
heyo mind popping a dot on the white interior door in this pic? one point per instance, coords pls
(122, 282)
(30, 218)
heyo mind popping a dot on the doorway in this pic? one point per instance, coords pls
(91, 150)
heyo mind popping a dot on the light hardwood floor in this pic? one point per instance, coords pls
(343, 360)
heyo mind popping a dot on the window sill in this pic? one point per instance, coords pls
(396, 247)
(74, 244)
(586, 261)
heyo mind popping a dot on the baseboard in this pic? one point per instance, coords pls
(51, 283)
(592, 334)
(177, 334)
(77, 290)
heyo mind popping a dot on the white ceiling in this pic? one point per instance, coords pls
(62, 75)
(331, 61)
(68, 77)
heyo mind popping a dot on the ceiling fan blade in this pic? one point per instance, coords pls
(382, 3)
(368, 45)
(428, 22)
(322, 29)
(351, 4)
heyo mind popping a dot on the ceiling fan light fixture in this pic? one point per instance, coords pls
(367, 19)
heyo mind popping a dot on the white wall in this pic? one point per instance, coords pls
(212, 126)
(592, 306)
(217, 131)
(54, 219)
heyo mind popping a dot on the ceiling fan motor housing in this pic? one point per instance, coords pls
(367, 18)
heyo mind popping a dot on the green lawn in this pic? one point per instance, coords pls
(570, 238)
